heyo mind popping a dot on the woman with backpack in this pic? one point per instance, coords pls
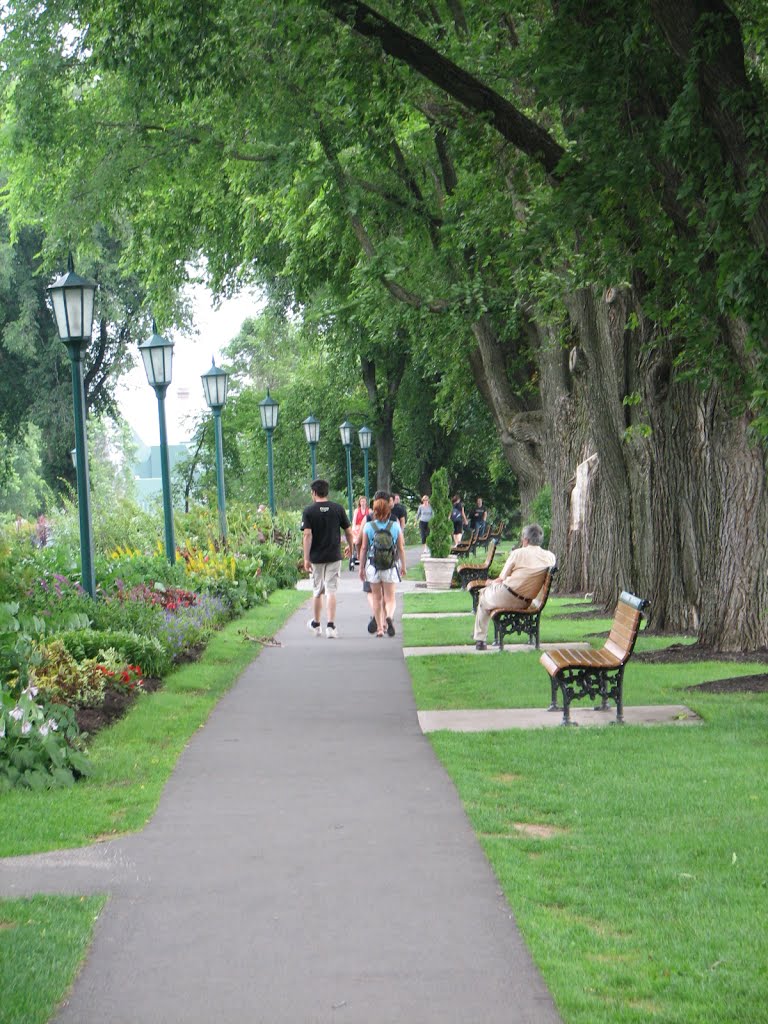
(381, 551)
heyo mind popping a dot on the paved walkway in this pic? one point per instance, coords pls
(309, 862)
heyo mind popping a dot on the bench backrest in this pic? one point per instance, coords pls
(491, 553)
(625, 626)
(537, 604)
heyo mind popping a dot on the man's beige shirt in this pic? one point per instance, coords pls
(525, 569)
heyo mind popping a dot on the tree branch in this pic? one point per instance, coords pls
(470, 91)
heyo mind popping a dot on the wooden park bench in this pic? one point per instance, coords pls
(466, 544)
(470, 571)
(506, 622)
(492, 534)
(597, 673)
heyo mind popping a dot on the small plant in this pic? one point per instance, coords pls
(134, 649)
(440, 526)
(62, 680)
(39, 744)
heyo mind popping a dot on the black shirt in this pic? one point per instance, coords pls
(325, 519)
(399, 511)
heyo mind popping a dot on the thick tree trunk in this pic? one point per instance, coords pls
(618, 507)
(710, 516)
(677, 513)
(521, 430)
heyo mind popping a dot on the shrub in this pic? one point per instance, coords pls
(60, 679)
(147, 652)
(189, 626)
(440, 527)
(40, 745)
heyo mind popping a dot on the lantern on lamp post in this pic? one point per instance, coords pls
(157, 354)
(72, 299)
(269, 410)
(215, 383)
(365, 434)
(312, 434)
(346, 430)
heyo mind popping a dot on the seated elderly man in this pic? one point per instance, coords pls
(519, 582)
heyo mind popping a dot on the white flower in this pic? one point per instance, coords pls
(2, 728)
(31, 691)
(16, 713)
(26, 728)
(43, 730)
(52, 724)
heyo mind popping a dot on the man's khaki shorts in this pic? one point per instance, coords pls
(325, 578)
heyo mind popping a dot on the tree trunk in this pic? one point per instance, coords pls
(521, 430)
(710, 516)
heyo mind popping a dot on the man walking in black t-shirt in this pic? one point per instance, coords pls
(322, 522)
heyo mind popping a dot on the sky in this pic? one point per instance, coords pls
(192, 354)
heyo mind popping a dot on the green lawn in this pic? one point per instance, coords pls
(633, 857)
(42, 942)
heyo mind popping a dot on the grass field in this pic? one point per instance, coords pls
(634, 858)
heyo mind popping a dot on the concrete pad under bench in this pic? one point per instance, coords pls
(495, 719)
(412, 652)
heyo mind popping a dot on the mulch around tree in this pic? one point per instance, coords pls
(679, 653)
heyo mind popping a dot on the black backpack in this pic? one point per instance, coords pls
(383, 550)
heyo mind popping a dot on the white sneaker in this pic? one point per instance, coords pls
(314, 629)
(330, 632)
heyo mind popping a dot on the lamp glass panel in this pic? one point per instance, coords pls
(312, 429)
(158, 363)
(60, 312)
(346, 433)
(365, 434)
(269, 410)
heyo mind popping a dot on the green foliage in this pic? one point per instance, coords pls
(145, 651)
(541, 512)
(440, 526)
(38, 743)
(60, 679)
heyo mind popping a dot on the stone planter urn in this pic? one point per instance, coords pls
(438, 572)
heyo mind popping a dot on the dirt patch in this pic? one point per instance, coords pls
(677, 653)
(116, 704)
(538, 831)
(739, 684)
(525, 828)
(691, 653)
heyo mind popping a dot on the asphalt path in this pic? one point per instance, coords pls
(310, 861)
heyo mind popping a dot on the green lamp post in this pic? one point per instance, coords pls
(72, 300)
(269, 409)
(346, 430)
(365, 434)
(312, 434)
(215, 383)
(157, 354)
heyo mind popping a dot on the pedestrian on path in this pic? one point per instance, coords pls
(321, 523)
(381, 553)
(519, 581)
(423, 515)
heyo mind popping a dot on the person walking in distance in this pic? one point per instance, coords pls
(321, 524)
(382, 550)
(423, 515)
